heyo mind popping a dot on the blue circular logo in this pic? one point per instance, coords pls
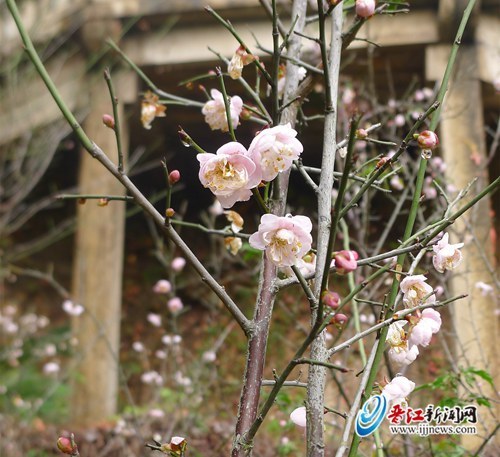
(371, 415)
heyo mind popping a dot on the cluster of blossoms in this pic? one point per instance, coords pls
(233, 171)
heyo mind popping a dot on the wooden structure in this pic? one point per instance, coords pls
(83, 25)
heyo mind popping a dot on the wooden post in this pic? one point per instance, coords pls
(97, 275)
(464, 151)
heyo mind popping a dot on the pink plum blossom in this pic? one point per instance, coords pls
(484, 288)
(178, 263)
(215, 111)
(51, 368)
(284, 239)
(346, 261)
(154, 319)
(230, 174)
(428, 324)
(446, 256)
(331, 299)
(415, 289)
(73, 309)
(162, 286)
(298, 416)
(365, 8)
(398, 389)
(175, 305)
(137, 346)
(152, 377)
(274, 150)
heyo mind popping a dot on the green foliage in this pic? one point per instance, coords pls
(448, 448)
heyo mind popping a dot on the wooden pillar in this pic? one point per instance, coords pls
(462, 138)
(97, 274)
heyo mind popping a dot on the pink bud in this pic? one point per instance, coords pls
(340, 319)
(178, 264)
(361, 134)
(346, 261)
(427, 140)
(108, 121)
(170, 212)
(331, 299)
(67, 446)
(365, 8)
(174, 177)
(175, 305)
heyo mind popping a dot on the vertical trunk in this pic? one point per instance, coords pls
(97, 273)
(464, 151)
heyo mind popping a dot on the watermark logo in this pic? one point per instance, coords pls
(371, 415)
(431, 420)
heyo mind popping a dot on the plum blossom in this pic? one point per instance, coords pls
(403, 355)
(306, 266)
(427, 140)
(298, 416)
(233, 244)
(178, 263)
(447, 256)
(274, 150)
(154, 319)
(73, 309)
(398, 389)
(236, 220)
(230, 174)
(152, 377)
(150, 109)
(428, 324)
(209, 356)
(415, 289)
(301, 73)
(51, 368)
(162, 286)
(137, 346)
(284, 239)
(238, 61)
(175, 305)
(215, 111)
(484, 288)
(346, 261)
(365, 8)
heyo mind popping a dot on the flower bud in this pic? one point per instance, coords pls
(346, 261)
(67, 446)
(361, 134)
(339, 319)
(245, 114)
(331, 299)
(170, 212)
(365, 8)
(102, 202)
(427, 140)
(108, 121)
(174, 177)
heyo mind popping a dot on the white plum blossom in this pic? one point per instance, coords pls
(167, 340)
(403, 355)
(209, 356)
(398, 389)
(233, 244)
(415, 290)
(446, 256)
(152, 377)
(177, 339)
(178, 263)
(396, 336)
(154, 319)
(299, 416)
(162, 286)
(215, 111)
(51, 368)
(156, 413)
(284, 239)
(137, 346)
(428, 324)
(274, 150)
(306, 266)
(73, 309)
(230, 173)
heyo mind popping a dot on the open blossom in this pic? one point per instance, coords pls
(415, 289)
(51, 368)
(154, 319)
(233, 244)
(236, 221)
(285, 239)
(162, 286)
(301, 73)
(175, 305)
(403, 355)
(398, 389)
(215, 111)
(274, 150)
(73, 309)
(238, 61)
(484, 288)
(150, 109)
(428, 324)
(365, 8)
(306, 266)
(346, 261)
(298, 416)
(152, 377)
(230, 174)
(446, 256)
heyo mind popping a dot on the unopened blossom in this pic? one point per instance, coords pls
(215, 111)
(174, 177)
(331, 299)
(150, 109)
(284, 239)
(156, 413)
(51, 368)
(137, 346)
(177, 446)
(175, 305)
(233, 244)
(399, 120)
(346, 261)
(484, 288)
(162, 286)
(152, 377)
(167, 340)
(73, 309)
(398, 389)
(365, 8)
(403, 355)
(154, 319)
(209, 356)
(299, 416)
(415, 290)
(421, 332)
(67, 446)
(236, 220)
(176, 339)
(240, 58)
(446, 256)
(427, 140)
(274, 150)
(178, 263)
(160, 354)
(230, 173)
